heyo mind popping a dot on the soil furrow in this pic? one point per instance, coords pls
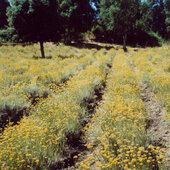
(157, 127)
(76, 149)
(14, 116)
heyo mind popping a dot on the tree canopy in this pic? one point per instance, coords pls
(167, 20)
(55, 20)
(3, 18)
(119, 16)
(35, 20)
(78, 16)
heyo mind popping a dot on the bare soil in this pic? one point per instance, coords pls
(76, 144)
(157, 127)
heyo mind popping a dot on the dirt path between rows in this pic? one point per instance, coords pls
(76, 149)
(157, 126)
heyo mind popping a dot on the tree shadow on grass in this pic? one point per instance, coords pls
(39, 57)
(135, 38)
(82, 45)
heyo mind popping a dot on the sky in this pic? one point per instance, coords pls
(9, 1)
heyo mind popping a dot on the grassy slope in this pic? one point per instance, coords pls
(117, 133)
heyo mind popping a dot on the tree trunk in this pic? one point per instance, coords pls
(68, 37)
(124, 41)
(42, 49)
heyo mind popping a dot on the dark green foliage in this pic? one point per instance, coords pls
(78, 17)
(35, 20)
(82, 17)
(7, 34)
(131, 21)
(3, 18)
(98, 31)
(155, 16)
(119, 16)
(144, 39)
(143, 18)
(167, 21)
(143, 22)
(158, 17)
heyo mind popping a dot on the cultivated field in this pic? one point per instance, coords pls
(84, 108)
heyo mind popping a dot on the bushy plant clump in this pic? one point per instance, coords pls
(154, 70)
(40, 138)
(117, 132)
(23, 80)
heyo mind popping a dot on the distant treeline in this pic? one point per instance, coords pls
(136, 22)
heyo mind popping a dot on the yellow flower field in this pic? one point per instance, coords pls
(119, 125)
(53, 93)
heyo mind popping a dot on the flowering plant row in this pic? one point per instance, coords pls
(22, 80)
(117, 132)
(39, 140)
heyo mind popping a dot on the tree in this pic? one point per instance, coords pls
(35, 20)
(167, 21)
(82, 17)
(66, 9)
(144, 17)
(158, 17)
(119, 16)
(78, 16)
(3, 18)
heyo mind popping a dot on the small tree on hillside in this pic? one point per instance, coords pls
(3, 7)
(119, 16)
(35, 20)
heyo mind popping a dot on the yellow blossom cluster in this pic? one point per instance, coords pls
(154, 69)
(24, 79)
(116, 135)
(39, 139)
(117, 132)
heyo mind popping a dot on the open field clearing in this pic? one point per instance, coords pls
(121, 125)
(27, 77)
(84, 108)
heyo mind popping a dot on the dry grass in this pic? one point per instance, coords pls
(51, 90)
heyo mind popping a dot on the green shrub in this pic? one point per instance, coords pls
(157, 36)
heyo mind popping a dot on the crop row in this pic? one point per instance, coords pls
(21, 82)
(154, 70)
(117, 132)
(39, 140)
